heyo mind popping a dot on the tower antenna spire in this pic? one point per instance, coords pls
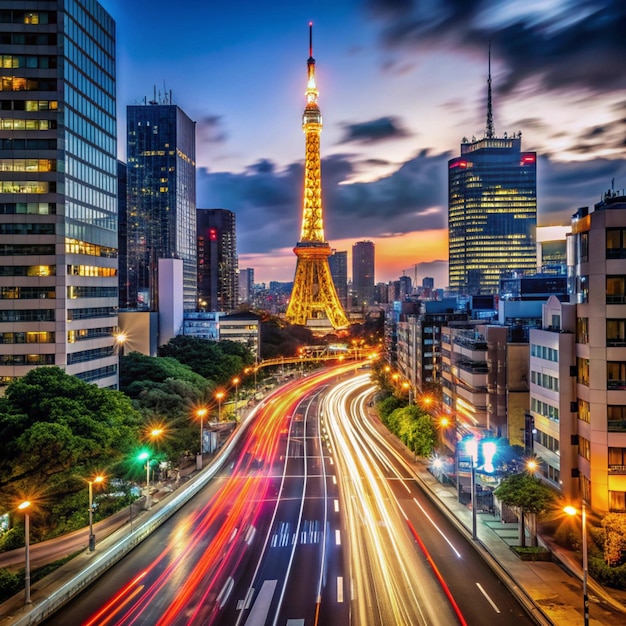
(311, 40)
(490, 130)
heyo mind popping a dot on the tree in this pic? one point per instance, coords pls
(614, 525)
(529, 495)
(55, 431)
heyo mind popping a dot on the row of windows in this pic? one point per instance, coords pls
(544, 380)
(84, 195)
(90, 355)
(97, 374)
(28, 165)
(28, 144)
(616, 375)
(89, 175)
(543, 352)
(27, 229)
(92, 313)
(617, 501)
(86, 29)
(21, 83)
(545, 409)
(584, 448)
(28, 39)
(617, 457)
(582, 371)
(615, 289)
(28, 208)
(584, 412)
(616, 418)
(75, 291)
(28, 17)
(27, 359)
(99, 157)
(88, 68)
(9, 61)
(616, 243)
(27, 337)
(616, 332)
(28, 270)
(27, 315)
(9, 123)
(27, 293)
(73, 246)
(29, 105)
(89, 333)
(90, 90)
(547, 441)
(91, 270)
(27, 186)
(8, 249)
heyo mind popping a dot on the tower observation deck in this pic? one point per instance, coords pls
(314, 301)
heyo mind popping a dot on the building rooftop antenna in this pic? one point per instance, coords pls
(490, 133)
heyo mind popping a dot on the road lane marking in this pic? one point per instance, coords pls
(337, 537)
(339, 588)
(493, 604)
(336, 504)
(262, 604)
(437, 528)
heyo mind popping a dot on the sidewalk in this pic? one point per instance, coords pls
(555, 589)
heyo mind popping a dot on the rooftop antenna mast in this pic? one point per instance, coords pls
(490, 131)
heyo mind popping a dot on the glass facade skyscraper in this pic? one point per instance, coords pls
(363, 272)
(218, 279)
(58, 190)
(161, 203)
(492, 213)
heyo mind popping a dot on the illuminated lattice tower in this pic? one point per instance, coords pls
(313, 298)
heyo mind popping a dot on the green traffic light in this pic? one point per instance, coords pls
(143, 456)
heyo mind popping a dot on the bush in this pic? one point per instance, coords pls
(10, 584)
(604, 574)
(12, 539)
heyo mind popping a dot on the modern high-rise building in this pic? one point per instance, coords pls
(363, 272)
(161, 202)
(338, 263)
(246, 285)
(58, 186)
(218, 287)
(492, 211)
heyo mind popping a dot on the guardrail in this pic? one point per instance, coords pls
(103, 561)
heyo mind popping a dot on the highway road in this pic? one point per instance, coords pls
(315, 520)
(392, 525)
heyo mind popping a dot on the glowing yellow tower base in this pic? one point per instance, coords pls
(314, 302)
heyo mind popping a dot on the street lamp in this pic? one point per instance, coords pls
(145, 456)
(570, 510)
(120, 339)
(471, 448)
(236, 383)
(219, 395)
(23, 506)
(201, 412)
(406, 385)
(92, 538)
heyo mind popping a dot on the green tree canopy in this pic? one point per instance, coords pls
(56, 430)
(216, 361)
(525, 492)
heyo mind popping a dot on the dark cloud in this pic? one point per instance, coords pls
(209, 129)
(593, 133)
(374, 131)
(268, 200)
(583, 45)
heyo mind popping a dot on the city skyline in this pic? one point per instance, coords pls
(400, 87)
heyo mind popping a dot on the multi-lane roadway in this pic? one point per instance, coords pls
(315, 519)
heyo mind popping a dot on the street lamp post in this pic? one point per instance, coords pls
(23, 506)
(145, 456)
(236, 383)
(219, 395)
(92, 537)
(201, 412)
(570, 510)
(471, 447)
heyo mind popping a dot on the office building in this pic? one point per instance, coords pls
(218, 278)
(551, 249)
(338, 262)
(492, 211)
(363, 273)
(161, 202)
(246, 285)
(58, 186)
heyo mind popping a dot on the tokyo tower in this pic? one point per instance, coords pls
(314, 300)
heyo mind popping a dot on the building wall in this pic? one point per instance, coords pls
(58, 195)
(161, 201)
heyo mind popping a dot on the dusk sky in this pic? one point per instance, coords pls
(401, 83)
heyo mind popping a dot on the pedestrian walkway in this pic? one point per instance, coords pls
(554, 589)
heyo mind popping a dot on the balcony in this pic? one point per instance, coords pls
(615, 384)
(617, 469)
